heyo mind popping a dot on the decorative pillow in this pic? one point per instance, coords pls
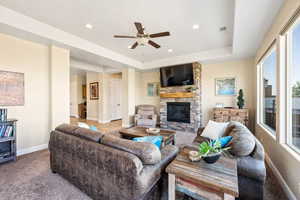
(224, 141)
(147, 152)
(243, 142)
(214, 130)
(156, 140)
(93, 128)
(83, 125)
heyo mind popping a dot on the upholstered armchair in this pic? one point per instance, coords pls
(146, 116)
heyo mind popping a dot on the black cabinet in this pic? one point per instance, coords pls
(8, 133)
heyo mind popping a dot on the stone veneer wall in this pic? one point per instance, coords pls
(196, 113)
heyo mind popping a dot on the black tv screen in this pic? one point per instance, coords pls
(177, 75)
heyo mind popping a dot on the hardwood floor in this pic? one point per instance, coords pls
(113, 126)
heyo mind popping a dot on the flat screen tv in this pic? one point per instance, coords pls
(177, 75)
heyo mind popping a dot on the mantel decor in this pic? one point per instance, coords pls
(94, 91)
(11, 88)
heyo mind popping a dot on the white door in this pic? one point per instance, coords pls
(115, 98)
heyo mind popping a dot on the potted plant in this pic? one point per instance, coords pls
(211, 151)
(240, 99)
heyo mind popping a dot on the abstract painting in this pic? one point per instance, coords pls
(152, 89)
(94, 91)
(226, 86)
(11, 88)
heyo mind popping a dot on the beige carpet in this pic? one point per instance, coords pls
(30, 178)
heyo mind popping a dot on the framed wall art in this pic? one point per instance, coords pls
(11, 88)
(225, 86)
(94, 91)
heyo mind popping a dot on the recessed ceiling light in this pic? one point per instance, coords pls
(170, 50)
(196, 26)
(89, 26)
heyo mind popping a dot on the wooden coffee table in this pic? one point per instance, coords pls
(168, 135)
(218, 181)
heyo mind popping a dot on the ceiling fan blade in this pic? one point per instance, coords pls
(154, 44)
(162, 34)
(134, 45)
(139, 27)
(123, 36)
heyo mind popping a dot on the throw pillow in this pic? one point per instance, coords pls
(93, 128)
(83, 125)
(156, 140)
(243, 142)
(224, 141)
(214, 130)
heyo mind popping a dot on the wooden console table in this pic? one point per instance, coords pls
(231, 114)
(218, 181)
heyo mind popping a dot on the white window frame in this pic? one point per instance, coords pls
(288, 96)
(260, 95)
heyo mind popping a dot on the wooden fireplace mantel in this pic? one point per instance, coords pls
(177, 95)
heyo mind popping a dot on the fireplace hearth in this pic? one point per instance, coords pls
(178, 112)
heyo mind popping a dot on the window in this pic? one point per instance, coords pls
(294, 86)
(268, 91)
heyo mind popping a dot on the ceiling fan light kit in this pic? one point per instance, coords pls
(143, 38)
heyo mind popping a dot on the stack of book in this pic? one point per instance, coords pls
(6, 131)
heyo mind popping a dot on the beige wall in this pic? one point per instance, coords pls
(34, 118)
(286, 161)
(74, 95)
(144, 79)
(129, 85)
(242, 70)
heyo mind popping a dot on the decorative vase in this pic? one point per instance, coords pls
(212, 158)
(3, 114)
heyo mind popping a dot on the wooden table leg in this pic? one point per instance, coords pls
(228, 197)
(172, 187)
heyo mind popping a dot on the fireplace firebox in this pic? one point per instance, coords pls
(179, 112)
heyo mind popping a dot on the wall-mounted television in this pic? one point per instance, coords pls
(177, 75)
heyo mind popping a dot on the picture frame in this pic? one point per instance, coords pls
(153, 89)
(12, 89)
(94, 91)
(225, 86)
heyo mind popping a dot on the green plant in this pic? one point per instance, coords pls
(240, 98)
(211, 147)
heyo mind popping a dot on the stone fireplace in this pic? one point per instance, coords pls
(180, 109)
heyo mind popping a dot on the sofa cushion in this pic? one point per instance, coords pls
(243, 142)
(214, 130)
(156, 140)
(66, 128)
(80, 132)
(148, 153)
(88, 134)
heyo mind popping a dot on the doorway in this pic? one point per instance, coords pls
(115, 98)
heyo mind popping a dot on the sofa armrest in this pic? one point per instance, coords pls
(152, 173)
(252, 168)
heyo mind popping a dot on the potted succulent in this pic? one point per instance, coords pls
(211, 151)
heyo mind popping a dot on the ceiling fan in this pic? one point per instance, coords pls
(142, 37)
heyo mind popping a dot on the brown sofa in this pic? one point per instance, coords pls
(108, 167)
(251, 168)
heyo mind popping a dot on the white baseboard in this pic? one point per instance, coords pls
(76, 116)
(92, 118)
(104, 122)
(32, 149)
(280, 179)
(127, 125)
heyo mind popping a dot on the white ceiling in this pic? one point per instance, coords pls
(246, 22)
